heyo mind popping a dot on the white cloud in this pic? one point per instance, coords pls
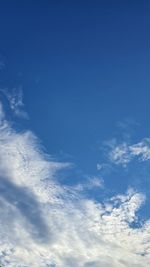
(141, 149)
(89, 184)
(125, 153)
(120, 154)
(45, 224)
(15, 99)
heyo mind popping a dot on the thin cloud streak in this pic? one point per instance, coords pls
(15, 100)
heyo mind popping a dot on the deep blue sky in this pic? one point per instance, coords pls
(84, 66)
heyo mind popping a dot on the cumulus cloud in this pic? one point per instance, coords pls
(45, 224)
(125, 153)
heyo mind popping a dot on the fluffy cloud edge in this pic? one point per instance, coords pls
(43, 223)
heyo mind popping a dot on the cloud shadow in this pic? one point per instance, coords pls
(28, 206)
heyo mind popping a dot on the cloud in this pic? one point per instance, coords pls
(45, 224)
(124, 153)
(15, 99)
(141, 149)
(90, 183)
(120, 154)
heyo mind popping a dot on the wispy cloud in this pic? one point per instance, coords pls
(124, 153)
(15, 99)
(91, 183)
(45, 224)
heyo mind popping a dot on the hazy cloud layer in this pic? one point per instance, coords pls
(45, 224)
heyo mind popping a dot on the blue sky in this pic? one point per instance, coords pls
(76, 74)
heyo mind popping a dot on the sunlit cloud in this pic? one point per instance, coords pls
(44, 223)
(124, 153)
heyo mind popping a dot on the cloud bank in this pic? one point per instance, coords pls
(45, 224)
